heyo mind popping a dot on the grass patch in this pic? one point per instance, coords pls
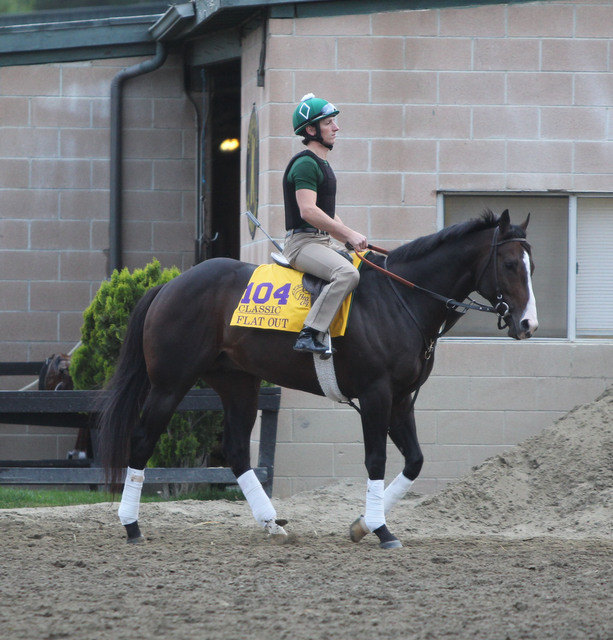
(14, 498)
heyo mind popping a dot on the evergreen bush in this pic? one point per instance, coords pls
(188, 437)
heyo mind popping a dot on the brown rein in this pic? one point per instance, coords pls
(385, 252)
(501, 308)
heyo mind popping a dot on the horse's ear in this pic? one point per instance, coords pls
(504, 222)
(524, 224)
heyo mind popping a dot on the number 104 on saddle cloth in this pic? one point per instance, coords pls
(275, 298)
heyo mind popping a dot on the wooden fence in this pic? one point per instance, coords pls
(77, 409)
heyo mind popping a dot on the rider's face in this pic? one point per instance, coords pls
(328, 128)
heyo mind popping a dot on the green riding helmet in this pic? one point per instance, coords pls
(309, 111)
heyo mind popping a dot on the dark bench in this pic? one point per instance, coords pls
(76, 409)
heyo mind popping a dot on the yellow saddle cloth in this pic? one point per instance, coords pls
(275, 299)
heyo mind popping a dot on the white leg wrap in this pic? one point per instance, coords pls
(260, 503)
(395, 491)
(374, 516)
(130, 498)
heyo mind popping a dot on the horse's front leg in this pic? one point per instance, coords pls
(403, 433)
(376, 408)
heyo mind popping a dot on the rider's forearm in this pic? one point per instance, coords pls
(316, 217)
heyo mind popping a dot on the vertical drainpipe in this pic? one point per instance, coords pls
(116, 185)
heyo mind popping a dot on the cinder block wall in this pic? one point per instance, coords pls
(54, 205)
(496, 98)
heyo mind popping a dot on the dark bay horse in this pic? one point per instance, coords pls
(55, 373)
(181, 332)
(55, 376)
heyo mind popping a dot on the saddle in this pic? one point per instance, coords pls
(311, 283)
(280, 297)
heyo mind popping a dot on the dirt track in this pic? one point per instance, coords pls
(519, 549)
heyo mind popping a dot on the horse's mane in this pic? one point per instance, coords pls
(426, 244)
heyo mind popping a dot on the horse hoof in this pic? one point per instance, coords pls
(274, 529)
(134, 534)
(387, 540)
(390, 544)
(358, 529)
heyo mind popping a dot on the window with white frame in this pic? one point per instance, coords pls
(594, 267)
(572, 244)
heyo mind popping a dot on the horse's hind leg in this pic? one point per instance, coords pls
(157, 411)
(239, 395)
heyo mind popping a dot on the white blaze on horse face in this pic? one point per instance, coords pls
(529, 319)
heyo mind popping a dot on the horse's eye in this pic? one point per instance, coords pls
(511, 265)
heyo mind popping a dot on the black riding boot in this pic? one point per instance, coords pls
(307, 341)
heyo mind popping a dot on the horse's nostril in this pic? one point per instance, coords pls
(525, 324)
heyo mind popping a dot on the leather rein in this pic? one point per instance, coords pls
(501, 308)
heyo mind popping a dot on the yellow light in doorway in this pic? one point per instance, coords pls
(229, 144)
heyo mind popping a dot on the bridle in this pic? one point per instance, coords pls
(500, 308)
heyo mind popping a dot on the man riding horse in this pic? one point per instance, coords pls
(181, 332)
(309, 192)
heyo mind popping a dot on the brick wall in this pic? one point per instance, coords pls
(496, 98)
(54, 204)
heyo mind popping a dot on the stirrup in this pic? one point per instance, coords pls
(307, 335)
(327, 354)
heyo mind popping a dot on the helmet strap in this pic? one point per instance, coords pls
(317, 137)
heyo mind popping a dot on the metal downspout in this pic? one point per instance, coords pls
(116, 182)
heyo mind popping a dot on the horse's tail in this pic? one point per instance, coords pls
(124, 395)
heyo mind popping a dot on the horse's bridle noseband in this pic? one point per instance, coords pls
(501, 308)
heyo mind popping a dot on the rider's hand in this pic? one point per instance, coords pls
(357, 241)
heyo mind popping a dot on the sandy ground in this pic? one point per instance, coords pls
(521, 548)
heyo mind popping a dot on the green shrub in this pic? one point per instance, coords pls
(189, 436)
(105, 322)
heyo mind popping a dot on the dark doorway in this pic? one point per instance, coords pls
(223, 124)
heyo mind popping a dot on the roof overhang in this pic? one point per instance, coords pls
(88, 35)
(213, 16)
(76, 40)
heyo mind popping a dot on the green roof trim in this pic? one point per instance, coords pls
(76, 40)
(39, 16)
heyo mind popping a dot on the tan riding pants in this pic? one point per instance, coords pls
(316, 254)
